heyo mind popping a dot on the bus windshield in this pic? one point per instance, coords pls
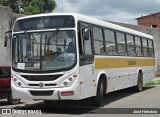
(44, 50)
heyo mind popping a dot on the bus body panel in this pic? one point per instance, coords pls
(88, 82)
(25, 93)
(121, 75)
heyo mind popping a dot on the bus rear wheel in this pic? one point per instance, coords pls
(139, 86)
(98, 99)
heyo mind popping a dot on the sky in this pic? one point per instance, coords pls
(124, 11)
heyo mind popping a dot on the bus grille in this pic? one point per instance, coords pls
(45, 84)
(41, 93)
(42, 77)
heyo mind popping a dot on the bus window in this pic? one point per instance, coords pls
(97, 33)
(145, 47)
(110, 42)
(87, 42)
(151, 48)
(130, 45)
(111, 48)
(98, 41)
(99, 48)
(121, 45)
(109, 36)
(138, 44)
(86, 54)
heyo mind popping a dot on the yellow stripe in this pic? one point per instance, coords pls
(106, 63)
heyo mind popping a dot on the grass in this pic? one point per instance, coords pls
(152, 83)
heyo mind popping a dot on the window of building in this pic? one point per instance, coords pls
(153, 26)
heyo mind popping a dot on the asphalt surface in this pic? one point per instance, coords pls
(118, 103)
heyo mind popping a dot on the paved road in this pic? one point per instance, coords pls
(148, 98)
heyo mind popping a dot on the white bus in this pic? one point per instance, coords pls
(67, 56)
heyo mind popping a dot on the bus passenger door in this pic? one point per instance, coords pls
(86, 62)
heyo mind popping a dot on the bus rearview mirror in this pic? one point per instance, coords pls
(7, 35)
(5, 41)
(86, 34)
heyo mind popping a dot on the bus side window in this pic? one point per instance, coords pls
(98, 41)
(138, 45)
(121, 44)
(110, 42)
(151, 48)
(85, 47)
(87, 42)
(145, 47)
(130, 45)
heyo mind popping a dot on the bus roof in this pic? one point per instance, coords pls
(80, 17)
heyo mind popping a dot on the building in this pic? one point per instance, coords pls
(152, 20)
(7, 18)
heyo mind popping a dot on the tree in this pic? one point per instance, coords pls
(30, 7)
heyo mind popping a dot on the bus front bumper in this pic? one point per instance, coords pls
(65, 93)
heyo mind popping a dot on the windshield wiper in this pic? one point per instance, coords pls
(28, 39)
(30, 42)
(52, 36)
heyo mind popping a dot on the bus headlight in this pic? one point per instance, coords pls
(17, 82)
(69, 81)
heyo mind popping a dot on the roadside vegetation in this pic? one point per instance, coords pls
(152, 83)
(30, 7)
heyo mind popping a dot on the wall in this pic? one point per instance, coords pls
(151, 31)
(149, 20)
(7, 19)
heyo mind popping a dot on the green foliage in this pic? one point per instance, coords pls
(30, 6)
(152, 83)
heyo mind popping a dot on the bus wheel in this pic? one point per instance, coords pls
(98, 99)
(139, 85)
(11, 100)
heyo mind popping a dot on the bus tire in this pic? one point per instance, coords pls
(11, 100)
(98, 99)
(139, 86)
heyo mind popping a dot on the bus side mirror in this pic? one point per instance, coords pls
(86, 34)
(7, 35)
(5, 41)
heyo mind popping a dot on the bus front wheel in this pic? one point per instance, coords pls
(98, 99)
(11, 100)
